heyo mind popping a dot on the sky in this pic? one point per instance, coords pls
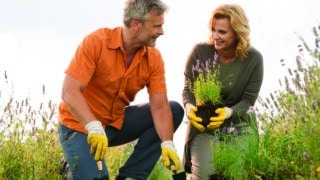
(38, 38)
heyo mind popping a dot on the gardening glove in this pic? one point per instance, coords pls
(223, 114)
(97, 139)
(195, 120)
(170, 158)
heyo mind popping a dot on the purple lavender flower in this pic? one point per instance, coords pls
(215, 57)
(206, 66)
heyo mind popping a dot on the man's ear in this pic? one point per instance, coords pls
(135, 23)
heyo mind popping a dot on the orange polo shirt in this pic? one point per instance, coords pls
(99, 63)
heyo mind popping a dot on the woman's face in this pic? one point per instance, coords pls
(223, 35)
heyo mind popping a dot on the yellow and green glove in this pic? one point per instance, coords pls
(217, 121)
(170, 158)
(195, 120)
(97, 139)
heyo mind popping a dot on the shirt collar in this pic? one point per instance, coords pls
(116, 40)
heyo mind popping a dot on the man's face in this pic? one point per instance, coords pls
(151, 29)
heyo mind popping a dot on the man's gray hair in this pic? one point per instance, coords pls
(140, 9)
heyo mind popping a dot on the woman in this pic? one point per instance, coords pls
(240, 68)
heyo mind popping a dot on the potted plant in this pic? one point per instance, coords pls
(206, 88)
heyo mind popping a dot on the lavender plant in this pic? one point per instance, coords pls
(206, 87)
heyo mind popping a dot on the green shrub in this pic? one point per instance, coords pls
(28, 140)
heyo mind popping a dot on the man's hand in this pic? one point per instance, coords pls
(170, 158)
(97, 139)
(223, 114)
(195, 120)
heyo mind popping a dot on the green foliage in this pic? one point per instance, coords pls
(290, 136)
(206, 88)
(115, 160)
(160, 172)
(236, 153)
(117, 156)
(28, 140)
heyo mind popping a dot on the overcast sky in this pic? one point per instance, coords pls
(39, 37)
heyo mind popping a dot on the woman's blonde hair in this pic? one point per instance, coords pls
(239, 23)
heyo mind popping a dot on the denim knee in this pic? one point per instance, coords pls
(177, 113)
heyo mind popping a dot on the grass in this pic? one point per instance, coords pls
(288, 146)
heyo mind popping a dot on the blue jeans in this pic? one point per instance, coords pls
(138, 124)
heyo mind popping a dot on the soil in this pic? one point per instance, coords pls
(206, 111)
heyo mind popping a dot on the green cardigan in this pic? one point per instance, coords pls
(241, 80)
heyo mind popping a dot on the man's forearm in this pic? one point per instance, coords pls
(163, 123)
(79, 108)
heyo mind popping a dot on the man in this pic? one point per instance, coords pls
(108, 69)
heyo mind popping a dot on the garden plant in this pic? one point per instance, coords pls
(206, 88)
